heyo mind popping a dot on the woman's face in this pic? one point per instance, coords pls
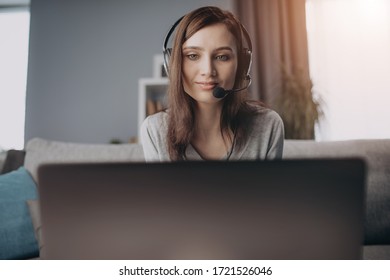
(209, 60)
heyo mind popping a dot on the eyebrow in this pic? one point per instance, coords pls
(201, 49)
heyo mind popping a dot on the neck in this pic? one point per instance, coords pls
(208, 140)
(208, 118)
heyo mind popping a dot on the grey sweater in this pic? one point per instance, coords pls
(265, 139)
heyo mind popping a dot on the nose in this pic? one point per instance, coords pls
(208, 67)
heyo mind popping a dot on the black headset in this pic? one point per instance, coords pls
(246, 56)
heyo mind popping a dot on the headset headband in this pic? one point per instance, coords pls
(169, 33)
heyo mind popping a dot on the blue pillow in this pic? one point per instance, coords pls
(17, 239)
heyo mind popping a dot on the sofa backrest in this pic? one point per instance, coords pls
(40, 151)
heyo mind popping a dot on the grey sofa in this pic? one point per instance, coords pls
(375, 152)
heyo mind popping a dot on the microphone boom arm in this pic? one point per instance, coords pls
(220, 92)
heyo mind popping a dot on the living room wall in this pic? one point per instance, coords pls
(85, 59)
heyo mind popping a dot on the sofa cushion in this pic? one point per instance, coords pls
(35, 213)
(376, 153)
(39, 151)
(3, 156)
(17, 240)
(14, 160)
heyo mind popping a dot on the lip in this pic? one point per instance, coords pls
(207, 85)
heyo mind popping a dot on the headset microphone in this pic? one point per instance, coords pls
(220, 92)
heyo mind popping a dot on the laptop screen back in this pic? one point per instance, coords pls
(298, 209)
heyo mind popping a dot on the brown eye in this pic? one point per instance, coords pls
(192, 56)
(222, 57)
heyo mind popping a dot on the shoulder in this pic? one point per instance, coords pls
(155, 126)
(158, 118)
(263, 115)
(155, 121)
(266, 123)
(266, 133)
(153, 137)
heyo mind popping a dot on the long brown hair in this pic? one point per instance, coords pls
(181, 115)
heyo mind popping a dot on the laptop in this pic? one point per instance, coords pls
(242, 210)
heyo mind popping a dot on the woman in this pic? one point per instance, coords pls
(208, 55)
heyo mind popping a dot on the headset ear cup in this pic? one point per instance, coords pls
(167, 57)
(246, 61)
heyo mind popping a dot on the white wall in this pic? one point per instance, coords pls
(85, 60)
(349, 52)
(14, 30)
